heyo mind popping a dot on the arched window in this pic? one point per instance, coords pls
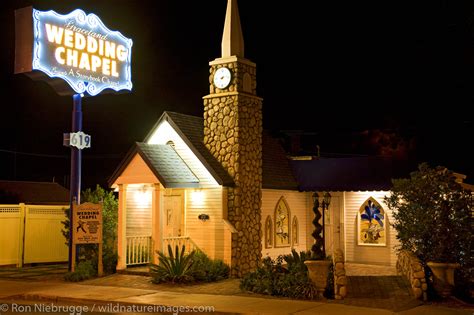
(170, 143)
(295, 231)
(268, 232)
(282, 223)
(371, 224)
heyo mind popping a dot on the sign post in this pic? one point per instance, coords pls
(87, 229)
(76, 54)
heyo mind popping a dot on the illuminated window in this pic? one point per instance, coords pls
(295, 230)
(282, 224)
(268, 232)
(371, 224)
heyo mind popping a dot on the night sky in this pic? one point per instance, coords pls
(363, 77)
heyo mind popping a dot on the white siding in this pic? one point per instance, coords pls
(138, 209)
(208, 235)
(298, 203)
(164, 133)
(384, 255)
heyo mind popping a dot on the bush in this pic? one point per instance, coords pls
(182, 268)
(89, 252)
(329, 292)
(433, 218)
(272, 278)
(173, 268)
(205, 269)
(84, 270)
(296, 261)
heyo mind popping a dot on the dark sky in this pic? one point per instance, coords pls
(361, 76)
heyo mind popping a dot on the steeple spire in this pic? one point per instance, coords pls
(232, 39)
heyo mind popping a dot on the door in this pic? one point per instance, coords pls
(173, 216)
(333, 235)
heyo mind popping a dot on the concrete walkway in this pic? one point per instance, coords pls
(48, 292)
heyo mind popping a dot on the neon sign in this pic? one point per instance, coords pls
(80, 50)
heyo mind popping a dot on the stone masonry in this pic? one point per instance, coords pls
(340, 278)
(411, 267)
(233, 134)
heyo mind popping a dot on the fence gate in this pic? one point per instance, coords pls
(11, 234)
(32, 234)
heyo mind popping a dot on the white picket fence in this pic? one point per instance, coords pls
(32, 234)
(139, 248)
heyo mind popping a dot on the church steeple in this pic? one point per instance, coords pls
(233, 135)
(232, 38)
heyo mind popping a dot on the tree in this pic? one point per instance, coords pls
(433, 217)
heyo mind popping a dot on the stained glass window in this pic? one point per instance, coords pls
(282, 224)
(268, 232)
(371, 224)
(295, 231)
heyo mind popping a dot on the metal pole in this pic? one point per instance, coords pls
(76, 157)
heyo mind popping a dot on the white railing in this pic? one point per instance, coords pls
(139, 250)
(188, 243)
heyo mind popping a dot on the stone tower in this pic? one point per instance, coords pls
(233, 134)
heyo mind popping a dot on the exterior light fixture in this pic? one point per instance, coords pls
(203, 217)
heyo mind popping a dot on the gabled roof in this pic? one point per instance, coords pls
(33, 193)
(165, 164)
(277, 173)
(191, 130)
(345, 174)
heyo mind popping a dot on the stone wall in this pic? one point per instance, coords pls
(340, 279)
(233, 134)
(411, 267)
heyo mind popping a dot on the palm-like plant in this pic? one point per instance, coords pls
(174, 267)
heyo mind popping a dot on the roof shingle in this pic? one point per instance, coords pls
(167, 165)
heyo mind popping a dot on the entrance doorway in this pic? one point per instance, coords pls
(334, 229)
(173, 215)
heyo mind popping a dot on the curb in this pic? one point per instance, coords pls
(58, 299)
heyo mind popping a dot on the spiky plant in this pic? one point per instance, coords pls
(174, 268)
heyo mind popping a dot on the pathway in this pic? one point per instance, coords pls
(378, 286)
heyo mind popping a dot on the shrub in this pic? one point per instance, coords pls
(173, 268)
(84, 270)
(329, 292)
(89, 252)
(296, 261)
(272, 278)
(205, 269)
(433, 218)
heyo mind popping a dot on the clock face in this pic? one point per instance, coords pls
(222, 78)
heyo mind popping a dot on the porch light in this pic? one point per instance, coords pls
(326, 200)
(143, 197)
(197, 197)
(203, 217)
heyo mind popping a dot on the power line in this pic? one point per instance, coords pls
(97, 156)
